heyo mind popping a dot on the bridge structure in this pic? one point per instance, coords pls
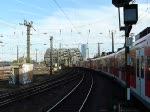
(63, 57)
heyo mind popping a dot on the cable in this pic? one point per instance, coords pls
(145, 10)
(147, 13)
(65, 15)
(8, 25)
(8, 21)
(80, 26)
(141, 20)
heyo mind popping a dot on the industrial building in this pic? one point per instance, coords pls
(84, 51)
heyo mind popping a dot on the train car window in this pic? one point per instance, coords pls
(148, 65)
(142, 66)
(137, 66)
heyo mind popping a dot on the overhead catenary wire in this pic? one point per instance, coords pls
(79, 26)
(71, 22)
(143, 15)
(8, 21)
(42, 9)
(8, 25)
(65, 15)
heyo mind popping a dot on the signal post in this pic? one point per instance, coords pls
(130, 17)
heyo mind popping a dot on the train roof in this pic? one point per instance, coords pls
(142, 33)
(120, 51)
(141, 40)
(110, 55)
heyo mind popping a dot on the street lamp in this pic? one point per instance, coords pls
(36, 55)
(51, 54)
(2, 49)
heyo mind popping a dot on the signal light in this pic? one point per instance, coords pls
(120, 3)
(130, 14)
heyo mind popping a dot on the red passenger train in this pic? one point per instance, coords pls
(114, 66)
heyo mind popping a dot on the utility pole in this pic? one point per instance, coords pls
(51, 55)
(60, 53)
(17, 54)
(87, 44)
(68, 56)
(29, 26)
(57, 58)
(60, 49)
(112, 35)
(88, 52)
(36, 56)
(98, 50)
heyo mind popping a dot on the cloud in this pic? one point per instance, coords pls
(31, 5)
(26, 12)
(99, 20)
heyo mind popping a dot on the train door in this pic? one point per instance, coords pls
(140, 72)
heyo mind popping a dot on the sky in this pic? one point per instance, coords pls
(70, 22)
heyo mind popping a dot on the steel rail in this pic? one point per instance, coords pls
(35, 90)
(66, 95)
(33, 85)
(32, 93)
(87, 95)
(73, 91)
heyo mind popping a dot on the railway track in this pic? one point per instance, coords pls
(74, 92)
(40, 87)
(74, 101)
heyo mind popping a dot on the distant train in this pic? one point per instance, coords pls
(114, 66)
